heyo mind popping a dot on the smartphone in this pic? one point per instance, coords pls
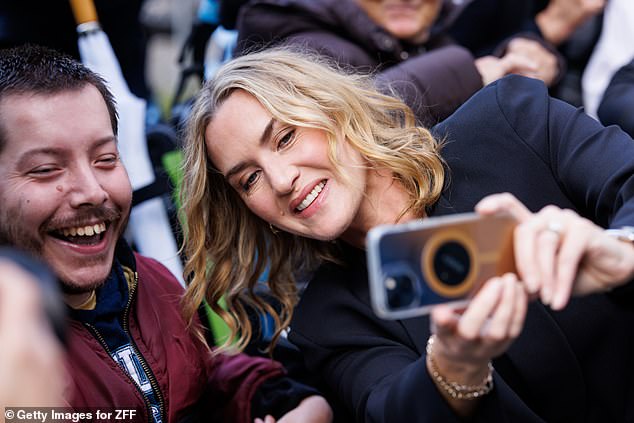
(416, 265)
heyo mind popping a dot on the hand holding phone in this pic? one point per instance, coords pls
(415, 265)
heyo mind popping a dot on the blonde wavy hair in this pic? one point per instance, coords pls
(227, 246)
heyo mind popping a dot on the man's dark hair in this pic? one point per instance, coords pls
(40, 70)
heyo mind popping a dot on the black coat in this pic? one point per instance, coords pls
(570, 366)
(617, 105)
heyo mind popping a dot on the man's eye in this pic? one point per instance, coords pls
(108, 159)
(246, 186)
(286, 139)
(43, 170)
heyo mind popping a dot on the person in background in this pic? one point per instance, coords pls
(569, 26)
(324, 157)
(405, 42)
(66, 199)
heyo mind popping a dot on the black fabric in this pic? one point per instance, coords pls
(228, 12)
(278, 396)
(483, 24)
(161, 186)
(617, 104)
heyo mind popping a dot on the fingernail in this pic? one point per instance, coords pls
(558, 302)
(531, 285)
(495, 283)
(546, 296)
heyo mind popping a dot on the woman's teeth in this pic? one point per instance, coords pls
(85, 230)
(311, 196)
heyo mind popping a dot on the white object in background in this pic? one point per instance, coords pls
(614, 49)
(219, 50)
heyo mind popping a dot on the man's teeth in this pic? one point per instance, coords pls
(85, 230)
(311, 196)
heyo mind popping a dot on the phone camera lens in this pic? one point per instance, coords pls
(400, 290)
(451, 263)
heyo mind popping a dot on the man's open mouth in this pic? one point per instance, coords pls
(82, 235)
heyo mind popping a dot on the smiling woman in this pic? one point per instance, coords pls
(296, 163)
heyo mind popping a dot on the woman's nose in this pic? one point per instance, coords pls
(283, 177)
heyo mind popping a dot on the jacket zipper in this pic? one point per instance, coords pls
(102, 341)
(146, 368)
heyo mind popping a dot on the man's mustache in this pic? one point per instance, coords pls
(83, 217)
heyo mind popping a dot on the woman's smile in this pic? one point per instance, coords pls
(310, 198)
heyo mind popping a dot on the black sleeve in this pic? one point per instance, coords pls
(617, 105)
(278, 396)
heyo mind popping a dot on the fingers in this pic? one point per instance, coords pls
(572, 250)
(537, 243)
(267, 419)
(491, 321)
(501, 320)
(521, 307)
(519, 63)
(525, 46)
(549, 250)
(503, 203)
(545, 63)
(547, 244)
(444, 319)
(489, 69)
(525, 244)
(480, 308)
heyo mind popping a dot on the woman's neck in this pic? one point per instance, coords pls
(384, 204)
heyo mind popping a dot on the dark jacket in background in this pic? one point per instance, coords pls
(483, 24)
(617, 105)
(574, 365)
(433, 78)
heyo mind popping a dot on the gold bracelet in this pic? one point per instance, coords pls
(455, 389)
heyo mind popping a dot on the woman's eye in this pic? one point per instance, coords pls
(286, 139)
(246, 186)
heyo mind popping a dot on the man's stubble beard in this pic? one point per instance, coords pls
(17, 236)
